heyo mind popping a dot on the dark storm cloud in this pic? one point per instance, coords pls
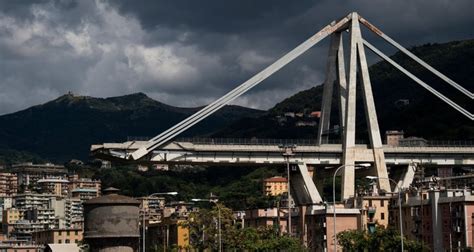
(214, 15)
(188, 53)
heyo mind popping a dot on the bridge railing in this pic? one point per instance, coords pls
(438, 143)
(252, 141)
(419, 142)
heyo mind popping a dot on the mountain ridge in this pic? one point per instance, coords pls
(65, 127)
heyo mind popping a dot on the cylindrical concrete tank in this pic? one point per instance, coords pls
(111, 222)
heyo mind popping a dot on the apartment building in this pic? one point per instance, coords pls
(54, 186)
(441, 219)
(171, 231)
(320, 233)
(275, 186)
(60, 236)
(85, 188)
(374, 208)
(8, 184)
(74, 213)
(274, 217)
(28, 173)
(9, 217)
(26, 201)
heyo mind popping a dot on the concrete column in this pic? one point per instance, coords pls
(407, 177)
(371, 117)
(348, 175)
(324, 121)
(342, 87)
(304, 185)
(436, 221)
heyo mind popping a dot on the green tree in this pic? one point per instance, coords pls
(204, 233)
(383, 239)
(204, 229)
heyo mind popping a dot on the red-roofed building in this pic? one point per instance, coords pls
(315, 114)
(275, 186)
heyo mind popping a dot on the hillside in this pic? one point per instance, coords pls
(66, 127)
(425, 115)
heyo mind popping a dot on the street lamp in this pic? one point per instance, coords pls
(144, 213)
(218, 218)
(288, 151)
(334, 196)
(399, 203)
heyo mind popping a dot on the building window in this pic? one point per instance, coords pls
(68, 241)
(76, 232)
(60, 241)
(382, 215)
(382, 202)
(59, 233)
(67, 233)
(370, 202)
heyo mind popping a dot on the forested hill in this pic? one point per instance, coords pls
(66, 127)
(400, 102)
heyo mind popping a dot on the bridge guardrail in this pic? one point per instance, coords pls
(309, 142)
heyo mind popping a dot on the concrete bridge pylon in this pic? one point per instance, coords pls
(336, 78)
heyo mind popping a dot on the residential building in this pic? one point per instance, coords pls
(152, 207)
(54, 186)
(6, 202)
(274, 217)
(315, 114)
(74, 216)
(320, 234)
(28, 173)
(441, 219)
(84, 193)
(43, 216)
(9, 217)
(239, 217)
(26, 201)
(23, 229)
(39, 211)
(170, 232)
(68, 235)
(152, 203)
(19, 246)
(275, 186)
(88, 186)
(8, 184)
(374, 208)
(393, 137)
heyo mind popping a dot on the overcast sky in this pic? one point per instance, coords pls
(188, 53)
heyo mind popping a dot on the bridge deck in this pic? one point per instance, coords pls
(254, 153)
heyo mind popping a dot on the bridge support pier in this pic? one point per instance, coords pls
(304, 188)
(407, 177)
(307, 198)
(358, 60)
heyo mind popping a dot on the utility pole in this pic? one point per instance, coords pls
(288, 151)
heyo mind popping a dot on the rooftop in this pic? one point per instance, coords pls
(276, 179)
